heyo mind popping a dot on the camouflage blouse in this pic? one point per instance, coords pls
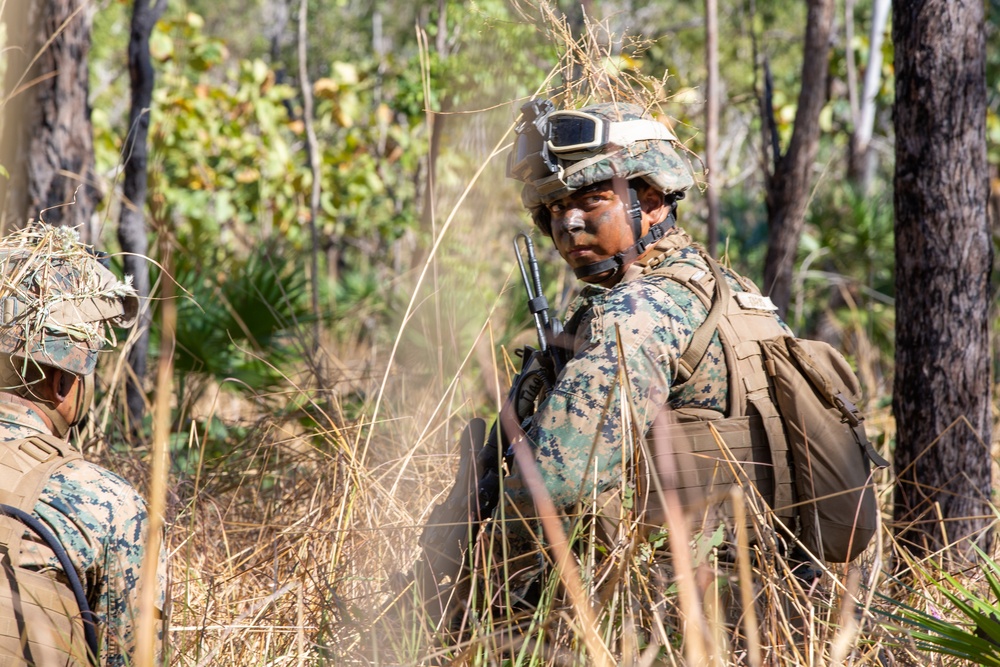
(102, 522)
(577, 433)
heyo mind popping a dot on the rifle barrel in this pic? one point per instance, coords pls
(537, 303)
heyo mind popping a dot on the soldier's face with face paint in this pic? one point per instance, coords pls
(591, 225)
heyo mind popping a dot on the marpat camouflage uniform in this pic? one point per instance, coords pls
(102, 522)
(577, 431)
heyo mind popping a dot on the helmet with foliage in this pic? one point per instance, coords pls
(58, 303)
(58, 307)
(558, 152)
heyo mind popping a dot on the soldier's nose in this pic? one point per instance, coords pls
(572, 222)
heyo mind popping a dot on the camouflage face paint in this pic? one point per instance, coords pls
(590, 226)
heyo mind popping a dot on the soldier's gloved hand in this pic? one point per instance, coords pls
(532, 383)
(529, 388)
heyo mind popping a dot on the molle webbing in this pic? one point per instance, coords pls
(40, 621)
(752, 432)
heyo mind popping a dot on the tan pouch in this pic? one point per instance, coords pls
(816, 391)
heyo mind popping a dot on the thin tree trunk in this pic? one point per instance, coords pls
(852, 67)
(861, 164)
(941, 398)
(788, 189)
(313, 152)
(48, 145)
(712, 121)
(132, 225)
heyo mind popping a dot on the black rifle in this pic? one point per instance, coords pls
(455, 523)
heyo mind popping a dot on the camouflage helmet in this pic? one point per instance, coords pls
(58, 303)
(648, 154)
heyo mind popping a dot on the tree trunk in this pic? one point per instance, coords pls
(943, 261)
(860, 164)
(47, 145)
(788, 189)
(312, 151)
(132, 226)
(712, 122)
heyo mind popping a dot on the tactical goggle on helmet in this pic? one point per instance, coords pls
(574, 135)
(557, 152)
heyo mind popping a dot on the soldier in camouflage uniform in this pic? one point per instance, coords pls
(58, 305)
(603, 183)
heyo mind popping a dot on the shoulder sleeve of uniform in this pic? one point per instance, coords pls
(89, 485)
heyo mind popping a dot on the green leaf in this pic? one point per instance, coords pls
(161, 46)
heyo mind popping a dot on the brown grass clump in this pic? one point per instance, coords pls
(283, 551)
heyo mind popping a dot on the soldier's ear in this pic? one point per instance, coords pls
(654, 205)
(61, 384)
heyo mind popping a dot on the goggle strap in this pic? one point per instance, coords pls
(628, 132)
(557, 181)
(583, 164)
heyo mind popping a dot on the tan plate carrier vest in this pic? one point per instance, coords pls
(40, 622)
(792, 431)
(752, 433)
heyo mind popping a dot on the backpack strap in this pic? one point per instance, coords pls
(27, 464)
(742, 319)
(703, 335)
(25, 468)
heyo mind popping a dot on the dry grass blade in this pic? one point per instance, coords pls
(159, 475)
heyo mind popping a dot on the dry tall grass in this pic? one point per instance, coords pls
(286, 550)
(292, 547)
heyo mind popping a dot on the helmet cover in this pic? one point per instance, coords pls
(655, 161)
(58, 303)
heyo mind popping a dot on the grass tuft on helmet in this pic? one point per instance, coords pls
(58, 302)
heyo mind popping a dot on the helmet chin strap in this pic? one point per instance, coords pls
(629, 255)
(84, 399)
(12, 380)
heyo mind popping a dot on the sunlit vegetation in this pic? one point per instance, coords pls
(309, 445)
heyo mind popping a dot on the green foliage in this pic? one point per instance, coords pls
(224, 152)
(229, 166)
(972, 631)
(240, 322)
(850, 245)
(743, 232)
(368, 156)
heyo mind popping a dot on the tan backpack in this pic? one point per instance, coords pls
(793, 430)
(40, 619)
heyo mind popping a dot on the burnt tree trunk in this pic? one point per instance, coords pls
(132, 226)
(47, 145)
(788, 187)
(941, 399)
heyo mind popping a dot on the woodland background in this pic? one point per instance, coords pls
(334, 292)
